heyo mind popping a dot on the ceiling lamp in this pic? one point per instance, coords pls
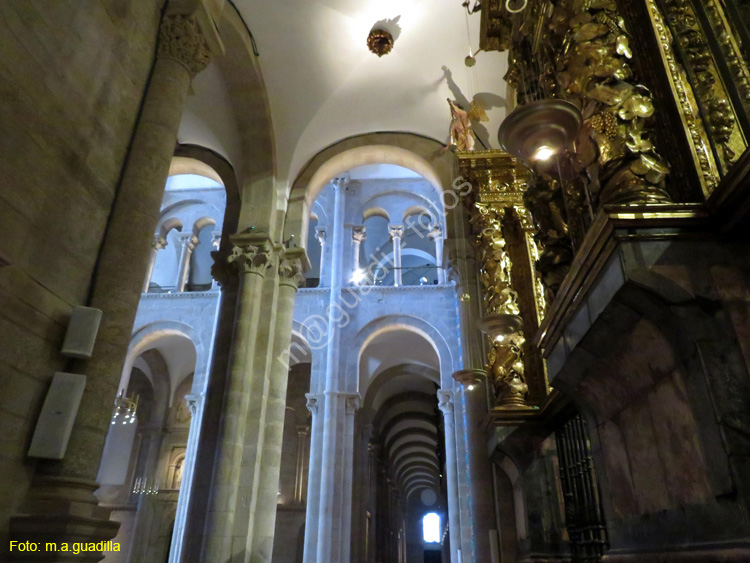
(541, 129)
(380, 42)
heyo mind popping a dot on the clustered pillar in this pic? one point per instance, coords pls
(445, 404)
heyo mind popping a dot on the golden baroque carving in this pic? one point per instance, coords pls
(731, 46)
(683, 93)
(180, 38)
(616, 161)
(706, 80)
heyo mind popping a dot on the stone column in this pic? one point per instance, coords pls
(320, 234)
(327, 535)
(352, 405)
(215, 244)
(252, 255)
(195, 404)
(359, 234)
(303, 432)
(291, 275)
(188, 242)
(313, 480)
(158, 244)
(396, 232)
(445, 404)
(474, 385)
(436, 234)
(182, 52)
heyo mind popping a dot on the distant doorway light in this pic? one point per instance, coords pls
(431, 527)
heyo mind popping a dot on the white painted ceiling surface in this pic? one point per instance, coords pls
(324, 85)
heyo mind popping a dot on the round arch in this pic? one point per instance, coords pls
(420, 154)
(389, 323)
(146, 336)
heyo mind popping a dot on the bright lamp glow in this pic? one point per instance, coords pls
(544, 153)
(358, 276)
(431, 527)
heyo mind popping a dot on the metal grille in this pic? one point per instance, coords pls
(584, 517)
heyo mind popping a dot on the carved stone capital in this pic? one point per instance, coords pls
(222, 270)
(291, 271)
(320, 234)
(194, 401)
(159, 243)
(445, 401)
(436, 231)
(312, 402)
(352, 404)
(181, 39)
(216, 239)
(251, 259)
(359, 233)
(188, 240)
(396, 231)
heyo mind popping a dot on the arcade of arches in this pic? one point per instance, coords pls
(337, 321)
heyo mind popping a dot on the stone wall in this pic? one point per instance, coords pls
(71, 83)
(663, 377)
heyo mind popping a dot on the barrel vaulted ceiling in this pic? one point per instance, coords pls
(324, 85)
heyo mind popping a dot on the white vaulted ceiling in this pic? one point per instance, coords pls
(324, 85)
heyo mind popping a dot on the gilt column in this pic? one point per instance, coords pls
(158, 244)
(445, 404)
(188, 242)
(396, 232)
(182, 52)
(291, 275)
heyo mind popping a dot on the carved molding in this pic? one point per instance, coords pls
(252, 258)
(312, 402)
(445, 401)
(352, 404)
(181, 39)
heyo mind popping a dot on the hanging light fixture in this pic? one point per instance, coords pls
(125, 408)
(539, 130)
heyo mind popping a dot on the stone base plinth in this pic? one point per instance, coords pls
(60, 517)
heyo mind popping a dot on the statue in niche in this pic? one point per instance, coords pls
(182, 413)
(177, 478)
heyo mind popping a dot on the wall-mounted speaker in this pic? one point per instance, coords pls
(58, 415)
(81, 334)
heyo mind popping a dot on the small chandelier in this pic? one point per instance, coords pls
(380, 42)
(146, 486)
(125, 408)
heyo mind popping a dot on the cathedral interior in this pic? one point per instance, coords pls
(301, 309)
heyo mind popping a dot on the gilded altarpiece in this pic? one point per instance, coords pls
(504, 239)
